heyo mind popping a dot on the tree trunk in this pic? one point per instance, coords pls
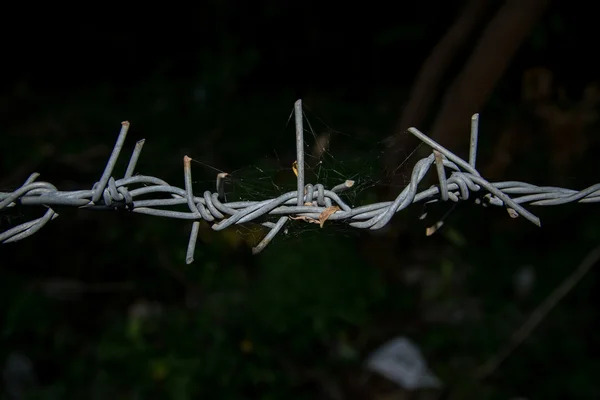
(492, 55)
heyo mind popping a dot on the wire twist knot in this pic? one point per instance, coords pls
(311, 203)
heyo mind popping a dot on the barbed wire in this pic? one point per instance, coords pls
(310, 203)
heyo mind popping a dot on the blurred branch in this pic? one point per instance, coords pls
(539, 314)
(472, 87)
(424, 88)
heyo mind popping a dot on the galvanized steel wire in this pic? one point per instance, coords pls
(458, 180)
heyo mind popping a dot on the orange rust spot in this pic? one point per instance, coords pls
(432, 229)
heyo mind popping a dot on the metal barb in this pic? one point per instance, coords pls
(110, 165)
(299, 150)
(474, 140)
(458, 180)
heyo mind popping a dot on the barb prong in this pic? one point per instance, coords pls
(474, 139)
(134, 158)
(189, 258)
(439, 165)
(110, 165)
(299, 150)
(221, 185)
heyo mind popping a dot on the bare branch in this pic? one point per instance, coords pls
(540, 313)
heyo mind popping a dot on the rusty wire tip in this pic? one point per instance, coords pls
(434, 228)
(349, 183)
(125, 123)
(512, 213)
(221, 185)
(187, 159)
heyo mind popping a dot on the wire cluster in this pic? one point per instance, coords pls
(457, 181)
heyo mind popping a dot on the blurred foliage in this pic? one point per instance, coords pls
(104, 305)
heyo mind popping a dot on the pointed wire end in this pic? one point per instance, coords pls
(222, 175)
(263, 243)
(434, 228)
(125, 124)
(512, 213)
(32, 178)
(298, 103)
(189, 258)
(475, 117)
(349, 183)
(140, 142)
(536, 221)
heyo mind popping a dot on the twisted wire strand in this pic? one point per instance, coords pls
(309, 202)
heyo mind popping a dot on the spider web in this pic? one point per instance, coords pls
(331, 157)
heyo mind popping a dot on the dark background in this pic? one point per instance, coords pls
(102, 305)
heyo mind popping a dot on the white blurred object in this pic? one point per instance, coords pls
(142, 309)
(523, 281)
(19, 375)
(401, 361)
